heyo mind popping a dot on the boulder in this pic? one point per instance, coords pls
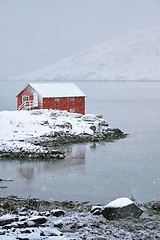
(50, 232)
(121, 208)
(57, 212)
(38, 219)
(6, 219)
(96, 210)
(58, 223)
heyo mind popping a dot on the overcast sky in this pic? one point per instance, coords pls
(35, 33)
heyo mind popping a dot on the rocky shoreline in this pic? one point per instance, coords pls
(30, 219)
(46, 129)
(44, 145)
(48, 153)
(62, 138)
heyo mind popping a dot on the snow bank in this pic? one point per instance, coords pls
(25, 131)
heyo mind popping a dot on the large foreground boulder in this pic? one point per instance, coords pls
(38, 219)
(121, 208)
(6, 219)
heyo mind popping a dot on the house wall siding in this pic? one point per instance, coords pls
(28, 91)
(65, 104)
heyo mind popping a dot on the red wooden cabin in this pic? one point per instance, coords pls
(62, 96)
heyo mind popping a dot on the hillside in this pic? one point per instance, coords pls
(135, 56)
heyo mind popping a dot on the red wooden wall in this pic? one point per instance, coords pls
(28, 91)
(64, 103)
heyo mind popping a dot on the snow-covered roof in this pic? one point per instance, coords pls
(57, 89)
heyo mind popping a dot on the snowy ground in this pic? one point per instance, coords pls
(24, 131)
(34, 220)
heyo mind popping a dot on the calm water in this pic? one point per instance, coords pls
(99, 174)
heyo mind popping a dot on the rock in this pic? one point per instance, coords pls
(57, 212)
(103, 124)
(121, 208)
(28, 231)
(58, 223)
(6, 205)
(50, 232)
(93, 128)
(37, 219)
(99, 115)
(2, 232)
(30, 224)
(96, 210)
(22, 224)
(11, 225)
(89, 118)
(6, 219)
(155, 205)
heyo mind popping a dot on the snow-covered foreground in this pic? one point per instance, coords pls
(30, 219)
(134, 56)
(26, 131)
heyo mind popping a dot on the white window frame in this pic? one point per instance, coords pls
(56, 99)
(72, 99)
(25, 98)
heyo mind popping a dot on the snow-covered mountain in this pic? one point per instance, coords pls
(135, 56)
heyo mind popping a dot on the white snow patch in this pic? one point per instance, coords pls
(19, 128)
(95, 208)
(119, 203)
(7, 217)
(7, 238)
(57, 89)
(34, 218)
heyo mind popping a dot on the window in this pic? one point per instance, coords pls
(72, 99)
(25, 98)
(56, 99)
(72, 110)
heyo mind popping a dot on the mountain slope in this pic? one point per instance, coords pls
(135, 56)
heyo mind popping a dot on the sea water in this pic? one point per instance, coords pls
(97, 172)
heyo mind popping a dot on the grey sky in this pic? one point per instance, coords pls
(35, 33)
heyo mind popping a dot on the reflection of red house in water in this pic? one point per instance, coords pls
(62, 96)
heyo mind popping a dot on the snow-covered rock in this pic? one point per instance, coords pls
(134, 56)
(6, 219)
(121, 208)
(96, 210)
(38, 219)
(57, 212)
(24, 132)
(119, 203)
(50, 232)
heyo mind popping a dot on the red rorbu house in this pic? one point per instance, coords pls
(62, 96)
